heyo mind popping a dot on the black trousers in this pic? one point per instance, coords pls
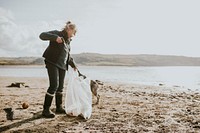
(56, 78)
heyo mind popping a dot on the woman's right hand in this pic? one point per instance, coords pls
(59, 40)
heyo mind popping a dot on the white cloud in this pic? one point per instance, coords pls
(22, 40)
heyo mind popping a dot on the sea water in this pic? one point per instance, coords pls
(183, 76)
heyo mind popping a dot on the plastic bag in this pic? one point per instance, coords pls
(78, 100)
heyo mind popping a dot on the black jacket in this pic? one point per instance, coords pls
(57, 54)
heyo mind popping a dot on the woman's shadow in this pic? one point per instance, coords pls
(37, 115)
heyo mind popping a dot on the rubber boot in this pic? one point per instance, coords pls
(47, 104)
(59, 108)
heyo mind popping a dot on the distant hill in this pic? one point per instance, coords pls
(93, 59)
(20, 61)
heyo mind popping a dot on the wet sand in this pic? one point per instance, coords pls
(122, 108)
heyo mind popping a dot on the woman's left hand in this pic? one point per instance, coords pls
(75, 69)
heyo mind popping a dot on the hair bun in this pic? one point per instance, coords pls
(69, 22)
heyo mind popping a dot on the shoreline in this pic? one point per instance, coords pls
(160, 85)
(122, 108)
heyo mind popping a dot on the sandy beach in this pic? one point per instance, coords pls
(122, 108)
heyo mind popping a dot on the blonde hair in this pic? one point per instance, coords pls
(70, 25)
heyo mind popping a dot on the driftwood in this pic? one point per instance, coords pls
(18, 84)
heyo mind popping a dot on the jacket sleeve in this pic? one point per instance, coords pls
(50, 35)
(73, 65)
(71, 62)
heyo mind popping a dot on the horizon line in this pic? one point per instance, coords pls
(105, 54)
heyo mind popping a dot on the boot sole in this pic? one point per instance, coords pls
(48, 116)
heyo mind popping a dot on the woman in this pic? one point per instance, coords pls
(57, 58)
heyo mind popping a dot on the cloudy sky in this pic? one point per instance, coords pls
(170, 27)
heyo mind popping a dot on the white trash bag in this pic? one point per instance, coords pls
(78, 100)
